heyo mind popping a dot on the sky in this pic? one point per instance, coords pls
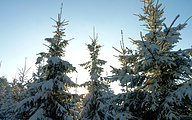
(26, 23)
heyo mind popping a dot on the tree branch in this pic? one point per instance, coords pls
(169, 30)
(146, 47)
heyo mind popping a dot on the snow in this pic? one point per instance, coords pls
(38, 60)
(171, 116)
(149, 35)
(38, 115)
(154, 47)
(67, 80)
(147, 64)
(94, 76)
(54, 60)
(60, 85)
(67, 117)
(123, 116)
(68, 66)
(50, 40)
(152, 78)
(43, 95)
(60, 109)
(184, 90)
(20, 104)
(48, 85)
(172, 39)
(143, 51)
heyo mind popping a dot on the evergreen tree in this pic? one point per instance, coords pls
(9, 96)
(48, 97)
(12, 93)
(122, 100)
(5, 99)
(121, 73)
(21, 84)
(95, 103)
(159, 76)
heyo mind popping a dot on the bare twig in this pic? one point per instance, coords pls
(169, 29)
(94, 39)
(53, 19)
(172, 24)
(165, 25)
(154, 17)
(117, 50)
(122, 43)
(23, 72)
(187, 20)
(93, 32)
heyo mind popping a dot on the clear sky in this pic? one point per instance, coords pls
(26, 23)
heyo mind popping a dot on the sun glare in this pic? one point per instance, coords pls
(79, 91)
(82, 91)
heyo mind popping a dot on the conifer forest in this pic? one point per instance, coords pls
(156, 80)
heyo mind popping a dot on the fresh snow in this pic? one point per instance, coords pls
(48, 85)
(54, 60)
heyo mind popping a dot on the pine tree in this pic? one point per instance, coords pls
(5, 99)
(159, 76)
(95, 103)
(21, 83)
(8, 98)
(48, 97)
(12, 93)
(123, 74)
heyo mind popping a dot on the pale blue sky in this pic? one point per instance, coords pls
(26, 23)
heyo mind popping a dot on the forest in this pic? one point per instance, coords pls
(156, 80)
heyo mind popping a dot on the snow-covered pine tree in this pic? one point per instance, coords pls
(48, 98)
(160, 76)
(95, 103)
(21, 83)
(122, 74)
(12, 93)
(23, 78)
(5, 99)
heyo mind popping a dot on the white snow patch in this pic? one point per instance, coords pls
(54, 60)
(94, 76)
(48, 85)
(38, 115)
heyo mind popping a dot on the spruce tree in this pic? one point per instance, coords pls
(95, 103)
(21, 83)
(9, 96)
(12, 93)
(48, 98)
(5, 98)
(158, 75)
(122, 74)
